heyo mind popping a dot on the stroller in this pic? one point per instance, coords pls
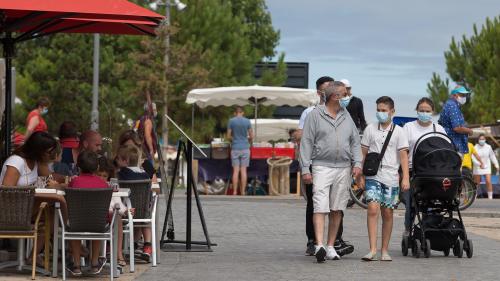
(436, 182)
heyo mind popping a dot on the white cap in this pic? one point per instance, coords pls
(346, 83)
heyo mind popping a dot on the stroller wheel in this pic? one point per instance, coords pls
(417, 249)
(427, 248)
(468, 247)
(404, 246)
(446, 252)
(458, 249)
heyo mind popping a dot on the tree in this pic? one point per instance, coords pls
(475, 63)
(213, 43)
(438, 91)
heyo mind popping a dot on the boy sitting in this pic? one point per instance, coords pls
(87, 163)
(127, 159)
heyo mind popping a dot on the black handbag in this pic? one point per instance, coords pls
(373, 159)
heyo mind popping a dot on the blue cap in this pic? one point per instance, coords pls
(459, 90)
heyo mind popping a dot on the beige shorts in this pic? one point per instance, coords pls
(330, 188)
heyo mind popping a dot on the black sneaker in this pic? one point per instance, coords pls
(343, 247)
(310, 249)
(320, 255)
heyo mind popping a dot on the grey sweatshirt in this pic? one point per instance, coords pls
(329, 142)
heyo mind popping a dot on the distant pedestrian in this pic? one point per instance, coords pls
(355, 107)
(452, 119)
(239, 131)
(144, 127)
(487, 157)
(35, 121)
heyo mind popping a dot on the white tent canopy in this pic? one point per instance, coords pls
(228, 96)
(245, 95)
(275, 129)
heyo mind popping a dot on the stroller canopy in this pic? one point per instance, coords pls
(435, 155)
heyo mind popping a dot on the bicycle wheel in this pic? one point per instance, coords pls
(467, 194)
(358, 195)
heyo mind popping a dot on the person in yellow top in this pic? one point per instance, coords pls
(468, 160)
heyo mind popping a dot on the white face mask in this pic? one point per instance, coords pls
(462, 100)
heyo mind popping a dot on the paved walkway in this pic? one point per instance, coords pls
(264, 239)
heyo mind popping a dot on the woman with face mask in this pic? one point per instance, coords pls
(414, 130)
(487, 156)
(35, 121)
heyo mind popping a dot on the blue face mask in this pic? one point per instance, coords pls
(344, 102)
(424, 116)
(482, 142)
(45, 111)
(382, 117)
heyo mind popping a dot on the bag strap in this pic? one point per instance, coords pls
(434, 127)
(386, 143)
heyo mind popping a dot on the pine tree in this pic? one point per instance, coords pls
(475, 63)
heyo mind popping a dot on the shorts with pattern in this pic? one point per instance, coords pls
(240, 158)
(386, 196)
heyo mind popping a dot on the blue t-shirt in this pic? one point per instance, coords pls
(239, 127)
(450, 118)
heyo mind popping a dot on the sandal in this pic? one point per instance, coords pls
(96, 269)
(74, 270)
(385, 257)
(122, 262)
(370, 257)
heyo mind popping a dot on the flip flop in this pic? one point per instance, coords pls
(122, 262)
(385, 257)
(370, 257)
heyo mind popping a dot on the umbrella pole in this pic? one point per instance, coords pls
(8, 47)
(255, 121)
(192, 120)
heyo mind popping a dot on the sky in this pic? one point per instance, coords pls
(383, 47)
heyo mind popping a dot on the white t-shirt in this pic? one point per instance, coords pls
(487, 156)
(303, 116)
(27, 176)
(373, 139)
(414, 131)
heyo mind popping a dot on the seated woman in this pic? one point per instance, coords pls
(87, 163)
(27, 163)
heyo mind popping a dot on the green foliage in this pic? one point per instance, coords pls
(213, 43)
(438, 91)
(475, 63)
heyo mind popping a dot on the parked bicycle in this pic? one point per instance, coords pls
(466, 196)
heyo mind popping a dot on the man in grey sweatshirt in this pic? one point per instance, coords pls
(330, 144)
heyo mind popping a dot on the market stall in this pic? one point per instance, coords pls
(270, 135)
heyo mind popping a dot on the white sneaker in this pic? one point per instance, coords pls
(331, 254)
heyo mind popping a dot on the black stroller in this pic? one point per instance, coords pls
(435, 182)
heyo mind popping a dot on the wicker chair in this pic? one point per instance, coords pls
(15, 219)
(87, 213)
(144, 201)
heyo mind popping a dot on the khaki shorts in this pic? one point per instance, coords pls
(330, 188)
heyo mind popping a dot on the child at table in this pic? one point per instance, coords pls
(128, 159)
(106, 171)
(87, 163)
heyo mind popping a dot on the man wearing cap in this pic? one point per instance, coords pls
(330, 154)
(452, 119)
(355, 107)
(342, 247)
